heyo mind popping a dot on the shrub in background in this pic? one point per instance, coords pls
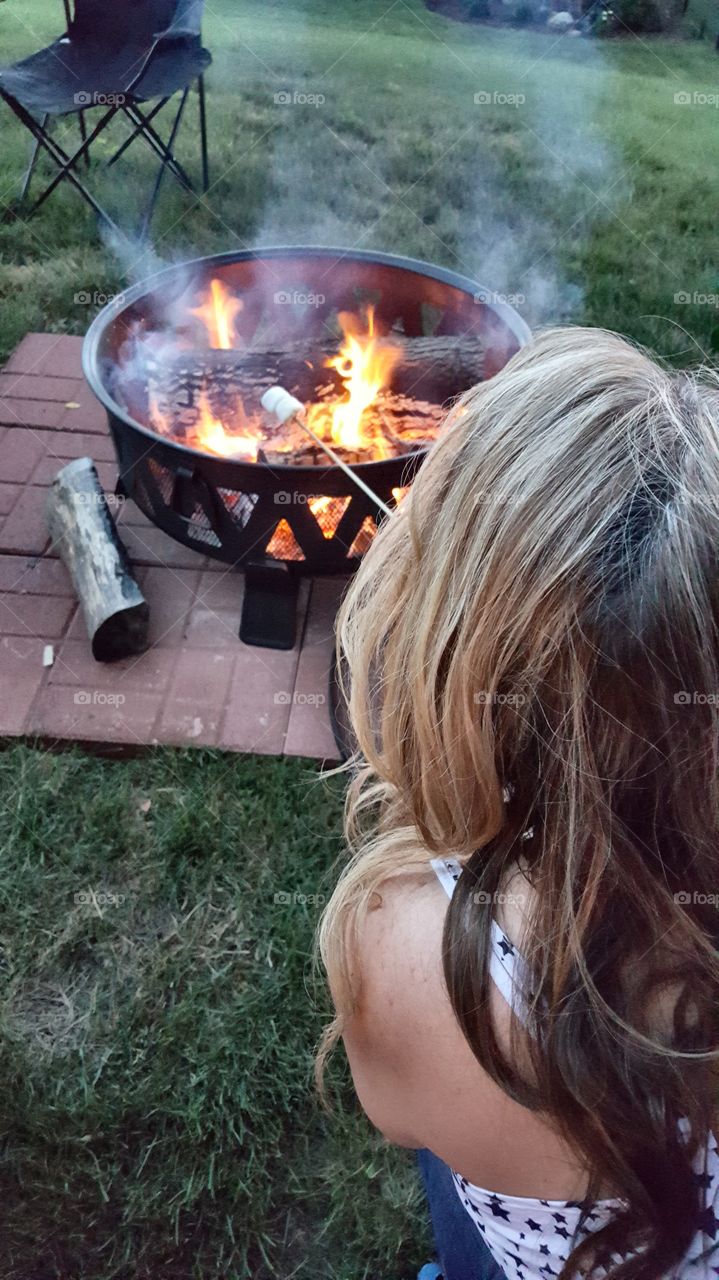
(598, 17)
(623, 17)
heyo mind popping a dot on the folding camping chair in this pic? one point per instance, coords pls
(115, 56)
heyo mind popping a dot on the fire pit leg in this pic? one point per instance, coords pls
(269, 607)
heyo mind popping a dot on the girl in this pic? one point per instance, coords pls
(523, 948)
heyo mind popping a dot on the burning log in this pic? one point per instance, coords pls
(308, 455)
(431, 369)
(286, 409)
(361, 401)
(311, 455)
(393, 426)
(83, 531)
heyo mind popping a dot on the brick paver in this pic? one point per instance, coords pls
(197, 684)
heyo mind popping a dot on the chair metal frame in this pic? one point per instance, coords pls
(142, 126)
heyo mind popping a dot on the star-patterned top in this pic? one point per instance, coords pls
(532, 1239)
(507, 967)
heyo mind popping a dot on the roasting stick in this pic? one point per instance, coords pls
(280, 403)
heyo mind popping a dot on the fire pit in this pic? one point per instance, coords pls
(373, 346)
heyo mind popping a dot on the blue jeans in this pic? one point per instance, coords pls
(461, 1251)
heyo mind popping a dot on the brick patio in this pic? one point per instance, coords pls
(197, 684)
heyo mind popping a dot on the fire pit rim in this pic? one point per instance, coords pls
(91, 355)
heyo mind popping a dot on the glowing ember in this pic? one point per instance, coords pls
(217, 313)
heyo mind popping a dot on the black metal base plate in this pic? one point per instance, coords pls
(269, 607)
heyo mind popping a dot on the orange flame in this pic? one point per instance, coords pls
(327, 512)
(210, 434)
(217, 312)
(365, 364)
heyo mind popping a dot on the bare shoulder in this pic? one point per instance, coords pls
(403, 992)
(400, 961)
(414, 1072)
(403, 1004)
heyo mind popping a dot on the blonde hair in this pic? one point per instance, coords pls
(532, 641)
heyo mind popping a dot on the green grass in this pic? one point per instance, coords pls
(157, 1116)
(159, 1016)
(596, 198)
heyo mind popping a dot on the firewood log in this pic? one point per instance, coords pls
(84, 534)
(433, 369)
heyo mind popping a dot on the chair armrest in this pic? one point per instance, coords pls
(128, 88)
(186, 22)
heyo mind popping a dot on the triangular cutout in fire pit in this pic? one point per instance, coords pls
(283, 544)
(328, 512)
(198, 528)
(365, 534)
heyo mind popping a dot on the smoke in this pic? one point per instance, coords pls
(135, 256)
(505, 176)
(530, 250)
(481, 151)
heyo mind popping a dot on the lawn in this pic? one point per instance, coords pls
(159, 1010)
(595, 198)
(159, 1013)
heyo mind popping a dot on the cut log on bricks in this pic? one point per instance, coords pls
(84, 534)
(434, 369)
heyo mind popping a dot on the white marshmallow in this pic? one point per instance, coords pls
(279, 402)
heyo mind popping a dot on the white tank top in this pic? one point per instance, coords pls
(531, 1239)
